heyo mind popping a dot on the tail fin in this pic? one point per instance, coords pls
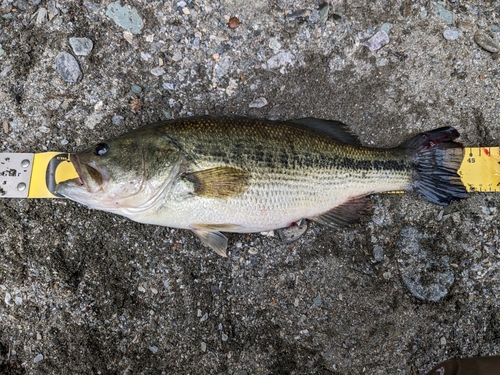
(437, 158)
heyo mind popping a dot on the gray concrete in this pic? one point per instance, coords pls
(88, 292)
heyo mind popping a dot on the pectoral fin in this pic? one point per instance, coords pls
(220, 182)
(214, 240)
(345, 214)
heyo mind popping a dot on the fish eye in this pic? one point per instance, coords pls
(101, 149)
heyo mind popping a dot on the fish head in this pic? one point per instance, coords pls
(126, 173)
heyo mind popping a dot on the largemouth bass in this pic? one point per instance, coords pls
(213, 175)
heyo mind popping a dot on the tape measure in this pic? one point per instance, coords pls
(36, 175)
(480, 169)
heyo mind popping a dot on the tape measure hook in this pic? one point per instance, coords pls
(50, 173)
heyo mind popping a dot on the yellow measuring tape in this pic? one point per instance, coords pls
(480, 171)
(49, 168)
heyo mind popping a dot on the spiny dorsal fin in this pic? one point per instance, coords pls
(335, 129)
(347, 213)
(220, 182)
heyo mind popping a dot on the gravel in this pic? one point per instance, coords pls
(452, 34)
(68, 67)
(81, 46)
(412, 285)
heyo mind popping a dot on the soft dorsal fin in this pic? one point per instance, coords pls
(335, 129)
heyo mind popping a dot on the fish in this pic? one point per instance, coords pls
(468, 366)
(243, 175)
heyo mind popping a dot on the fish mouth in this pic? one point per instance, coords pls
(91, 176)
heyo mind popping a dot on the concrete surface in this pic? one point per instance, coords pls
(88, 292)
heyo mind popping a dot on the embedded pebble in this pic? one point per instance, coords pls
(68, 67)
(117, 119)
(425, 277)
(318, 301)
(158, 71)
(323, 12)
(125, 16)
(203, 347)
(81, 46)
(258, 103)
(153, 349)
(281, 59)
(224, 337)
(378, 253)
(385, 27)
(444, 13)
(38, 358)
(8, 299)
(377, 41)
(452, 34)
(41, 16)
(486, 42)
(136, 89)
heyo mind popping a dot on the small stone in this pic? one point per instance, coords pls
(233, 23)
(81, 46)
(301, 13)
(136, 89)
(378, 253)
(117, 119)
(452, 34)
(253, 251)
(443, 341)
(377, 41)
(258, 103)
(68, 67)
(2, 51)
(444, 13)
(203, 347)
(486, 42)
(281, 59)
(318, 301)
(167, 114)
(224, 337)
(158, 71)
(323, 12)
(204, 318)
(38, 358)
(8, 299)
(153, 349)
(125, 16)
(274, 44)
(41, 16)
(385, 27)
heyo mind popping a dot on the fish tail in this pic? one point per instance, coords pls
(437, 159)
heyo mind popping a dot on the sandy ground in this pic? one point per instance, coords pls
(88, 292)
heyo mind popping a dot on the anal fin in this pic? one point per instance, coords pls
(347, 213)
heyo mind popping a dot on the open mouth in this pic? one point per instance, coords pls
(91, 176)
